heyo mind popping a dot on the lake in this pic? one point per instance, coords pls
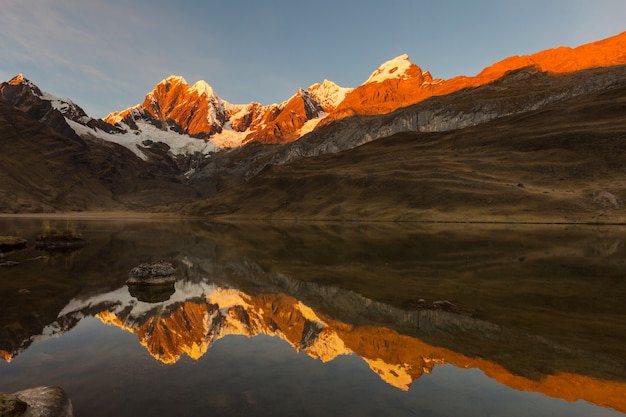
(321, 319)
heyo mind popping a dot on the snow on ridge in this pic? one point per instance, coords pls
(311, 124)
(394, 68)
(176, 78)
(64, 105)
(202, 87)
(180, 144)
(328, 94)
(117, 116)
(228, 138)
(126, 140)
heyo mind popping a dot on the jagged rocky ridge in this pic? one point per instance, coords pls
(198, 111)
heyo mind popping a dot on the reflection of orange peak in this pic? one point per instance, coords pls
(417, 357)
(397, 359)
(6, 356)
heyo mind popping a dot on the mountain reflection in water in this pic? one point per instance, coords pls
(311, 290)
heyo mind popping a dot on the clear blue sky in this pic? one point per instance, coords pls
(107, 54)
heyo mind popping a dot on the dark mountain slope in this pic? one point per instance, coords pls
(42, 170)
(563, 162)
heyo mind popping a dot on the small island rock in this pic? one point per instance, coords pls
(159, 273)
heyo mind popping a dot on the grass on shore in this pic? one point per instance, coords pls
(53, 232)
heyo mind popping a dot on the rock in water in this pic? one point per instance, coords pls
(46, 402)
(159, 273)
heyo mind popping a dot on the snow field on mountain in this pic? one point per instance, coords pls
(179, 144)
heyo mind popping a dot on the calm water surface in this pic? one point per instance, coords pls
(323, 319)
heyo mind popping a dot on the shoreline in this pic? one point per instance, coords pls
(434, 218)
(94, 215)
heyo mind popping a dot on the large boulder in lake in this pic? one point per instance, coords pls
(39, 402)
(11, 406)
(158, 273)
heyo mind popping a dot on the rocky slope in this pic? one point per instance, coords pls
(24, 95)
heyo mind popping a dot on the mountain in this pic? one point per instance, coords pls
(396, 83)
(528, 147)
(399, 83)
(25, 96)
(189, 138)
(47, 166)
(198, 111)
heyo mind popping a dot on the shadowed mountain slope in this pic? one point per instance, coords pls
(43, 170)
(60, 173)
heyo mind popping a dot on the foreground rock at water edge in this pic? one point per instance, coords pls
(158, 273)
(11, 406)
(37, 402)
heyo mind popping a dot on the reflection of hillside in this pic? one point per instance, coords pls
(191, 327)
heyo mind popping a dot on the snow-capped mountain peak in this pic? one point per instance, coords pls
(176, 79)
(31, 94)
(328, 94)
(19, 79)
(203, 88)
(118, 116)
(394, 68)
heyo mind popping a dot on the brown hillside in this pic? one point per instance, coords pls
(59, 173)
(560, 163)
(44, 171)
